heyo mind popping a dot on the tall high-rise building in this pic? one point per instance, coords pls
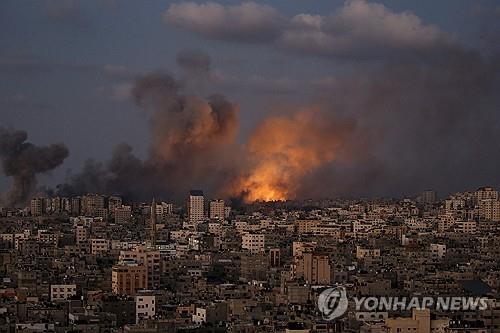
(314, 268)
(196, 206)
(123, 214)
(55, 205)
(489, 209)
(428, 197)
(66, 205)
(36, 206)
(76, 206)
(217, 210)
(92, 203)
(485, 193)
(113, 203)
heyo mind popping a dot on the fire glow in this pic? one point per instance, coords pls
(285, 149)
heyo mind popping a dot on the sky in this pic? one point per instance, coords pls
(410, 86)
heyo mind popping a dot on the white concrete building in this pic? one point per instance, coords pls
(145, 307)
(253, 242)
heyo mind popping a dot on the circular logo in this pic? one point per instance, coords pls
(332, 302)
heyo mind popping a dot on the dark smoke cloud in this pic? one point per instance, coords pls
(192, 145)
(428, 119)
(434, 123)
(428, 123)
(22, 161)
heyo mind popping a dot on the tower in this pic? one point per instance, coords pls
(196, 206)
(153, 223)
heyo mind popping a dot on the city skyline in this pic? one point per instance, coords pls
(96, 262)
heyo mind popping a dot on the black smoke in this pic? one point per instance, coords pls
(23, 160)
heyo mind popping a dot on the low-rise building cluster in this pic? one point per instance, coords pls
(96, 263)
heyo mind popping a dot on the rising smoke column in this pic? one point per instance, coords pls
(183, 127)
(192, 145)
(22, 161)
(418, 121)
(285, 149)
(192, 137)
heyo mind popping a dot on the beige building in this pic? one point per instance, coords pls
(253, 242)
(164, 209)
(99, 245)
(366, 252)
(123, 214)
(306, 226)
(454, 204)
(469, 227)
(298, 248)
(76, 206)
(61, 292)
(489, 209)
(114, 203)
(48, 237)
(314, 268)
(151, 259)
(91, 203)
(485, 193)
(428, 197)
(36, 206)
(196, 207)
(145, 307)
(212, 313)
(81, 234)
(420, 322)
(127, 279)
(217, 210)
(437, 251)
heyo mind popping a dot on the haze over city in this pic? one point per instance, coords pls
(253, 100)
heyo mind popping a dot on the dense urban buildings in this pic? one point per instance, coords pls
(98, 264)
(249, 166)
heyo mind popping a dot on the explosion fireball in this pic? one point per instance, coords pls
(283, 150)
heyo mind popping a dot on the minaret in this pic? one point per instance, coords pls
(153, 223)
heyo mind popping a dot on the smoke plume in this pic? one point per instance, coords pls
(382, 130)
(192, 144)
(22, 161)
(390, 127)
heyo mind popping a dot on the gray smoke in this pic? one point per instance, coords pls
(23, 160)
(431, 122)
(192, 144)
(427, 123)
